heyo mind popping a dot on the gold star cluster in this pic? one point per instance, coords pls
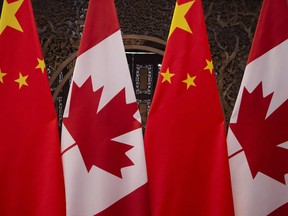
(167, 76)
(21, 79)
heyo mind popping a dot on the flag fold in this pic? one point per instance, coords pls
(102, 140)
(258, 132)
(31, 181)
(185, 140)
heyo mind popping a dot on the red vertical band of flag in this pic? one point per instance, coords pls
(31, 180)
(99, 29)
(258, 132)
(185, 141)
(102, 140)
(272, 23)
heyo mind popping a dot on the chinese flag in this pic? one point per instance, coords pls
(31, 181)
(185, 139)
(102, 142)
(258, 130)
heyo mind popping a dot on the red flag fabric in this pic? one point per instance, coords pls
(31, 181)
(185, 141)
(258, 132)
(102, 141)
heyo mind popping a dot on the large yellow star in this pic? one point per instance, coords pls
(179, 20)
(41, 64)
(22, 80)
(8, 17)
(1, 76)
(189, 81)
(167, 76)
(209, 66)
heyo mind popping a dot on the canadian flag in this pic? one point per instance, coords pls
(258, 130)
(102, 141)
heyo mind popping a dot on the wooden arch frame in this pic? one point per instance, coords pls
(131, 43)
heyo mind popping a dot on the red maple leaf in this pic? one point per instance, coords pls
(282, 210)
(93, 131)
(260, 136)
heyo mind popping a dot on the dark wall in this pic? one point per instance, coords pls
(230, 25)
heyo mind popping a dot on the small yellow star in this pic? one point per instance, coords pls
(8, 17)
(21, 80)
(189, 81)
(2, 75)
(41, 64)
(167, 76)
(179, 20)
(209, 66)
